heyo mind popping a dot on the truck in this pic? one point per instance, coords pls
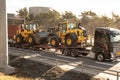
(106, 44)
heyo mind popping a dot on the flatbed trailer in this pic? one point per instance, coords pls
(72, 51)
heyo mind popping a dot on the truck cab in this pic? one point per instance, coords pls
(106, 43)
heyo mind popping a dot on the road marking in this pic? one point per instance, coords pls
(94, 67)
(66, 57)
(104, 63)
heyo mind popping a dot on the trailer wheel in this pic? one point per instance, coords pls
(31, 39)
(66, 52)
(70, 41)
(11, 44)
(100, 57)
(19, 40)
(54, 41)
(73, 53)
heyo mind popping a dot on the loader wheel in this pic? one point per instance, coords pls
(19, 40)
(31, 39)
(54, 41)
(69, 41)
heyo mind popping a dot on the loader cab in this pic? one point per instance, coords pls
(65, 26)
(31, 27)
(104, 43)
(62, 27)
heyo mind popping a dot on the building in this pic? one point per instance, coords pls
(13, 23)
(37, 10)
(14, 20)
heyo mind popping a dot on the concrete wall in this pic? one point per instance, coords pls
(3, 35)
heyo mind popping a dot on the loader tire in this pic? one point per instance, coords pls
(70, 41)
(19, 40)
(54, 41)
(31, 40)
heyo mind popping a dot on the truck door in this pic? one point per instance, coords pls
(102, 43)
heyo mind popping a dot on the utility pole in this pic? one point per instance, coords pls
(4, 40)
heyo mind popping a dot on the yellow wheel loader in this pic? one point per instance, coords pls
(30, 36)
(68, 34)
(23, 33)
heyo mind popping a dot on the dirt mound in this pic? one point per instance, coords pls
(57, 73)
(39, 71)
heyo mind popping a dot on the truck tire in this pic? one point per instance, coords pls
(100, 57)
(19, 40)
(31, 40)
(54, 41)
(70, 41)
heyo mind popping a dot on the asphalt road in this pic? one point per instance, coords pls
(86, 60)
(89, 63)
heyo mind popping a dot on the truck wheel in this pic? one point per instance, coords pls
(69, 41)
(19, 40)
(100, 57)
(31, 39)
(54, 41)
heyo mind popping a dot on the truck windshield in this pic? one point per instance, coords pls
(115, 37)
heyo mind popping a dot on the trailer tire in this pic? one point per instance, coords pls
(54, 41)
(66, 52)
(100, 57)
(73, 53)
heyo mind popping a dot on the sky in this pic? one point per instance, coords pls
(100, 7)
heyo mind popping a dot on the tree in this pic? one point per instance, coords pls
(86, 16)
(68, 16)
(23, 13)
(49, 19)
(115, 20)
(88, 19)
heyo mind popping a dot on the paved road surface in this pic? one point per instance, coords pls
(90, 65)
